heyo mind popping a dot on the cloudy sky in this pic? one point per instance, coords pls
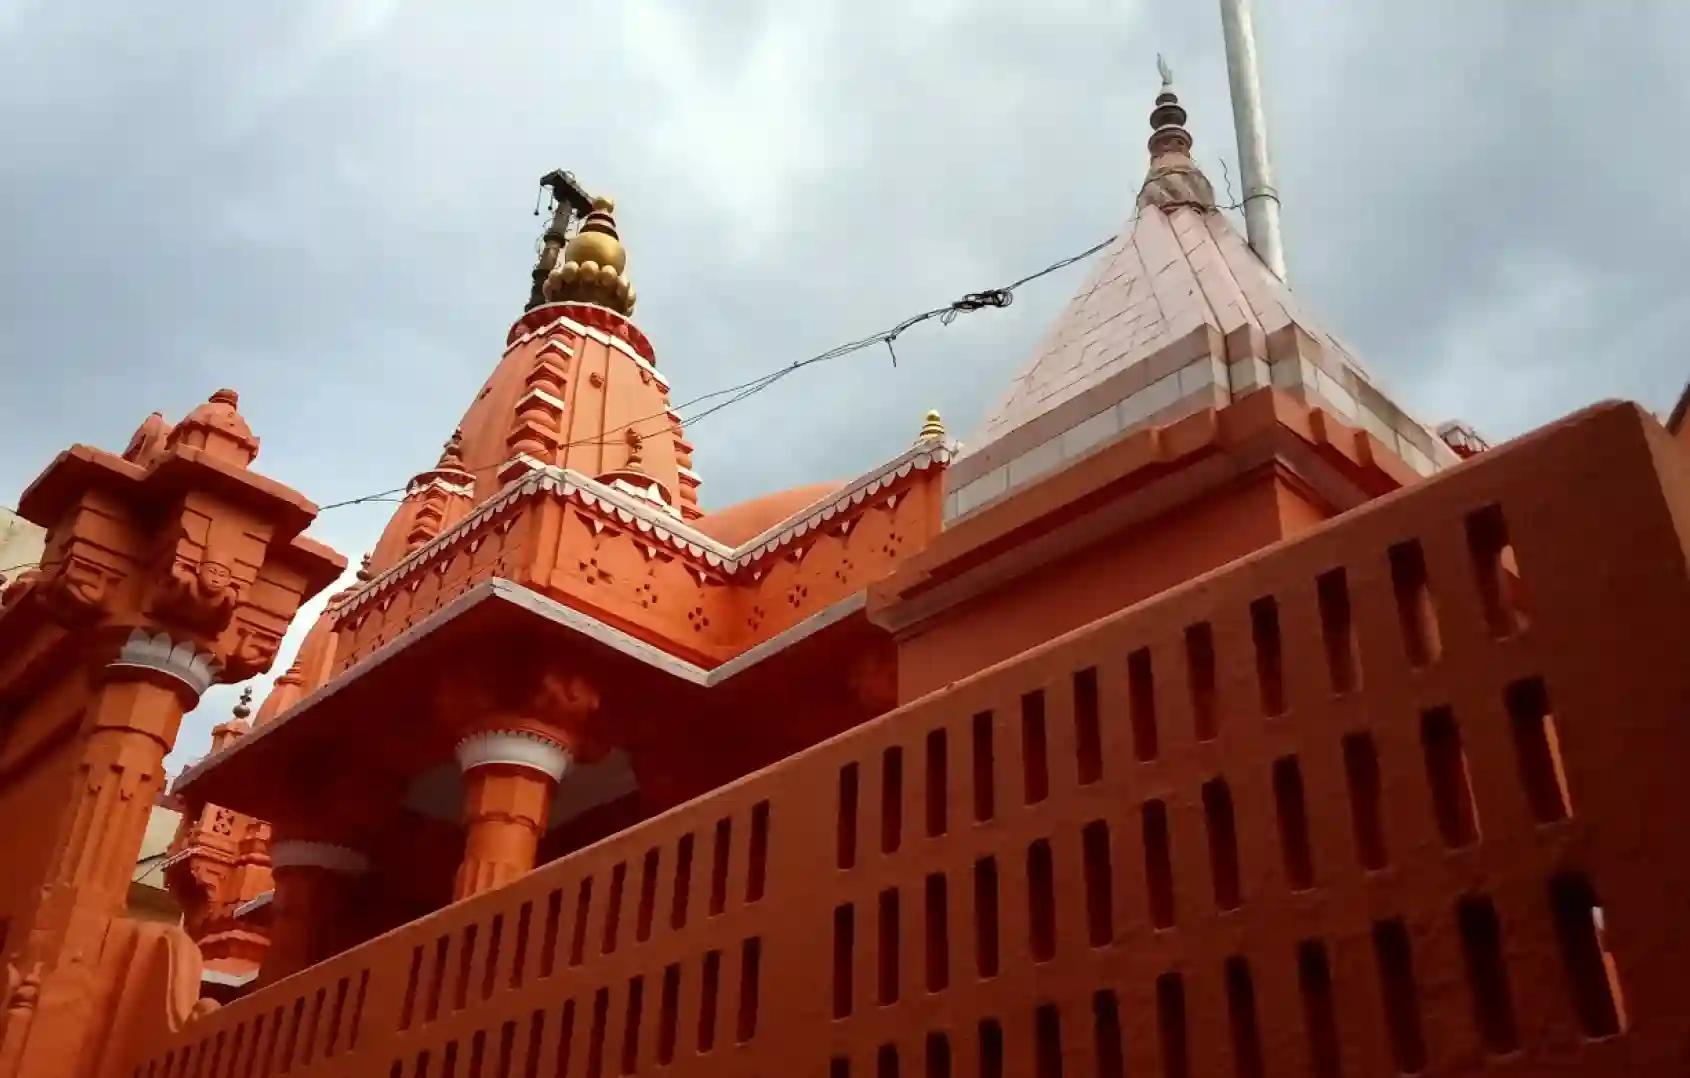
(326, 205)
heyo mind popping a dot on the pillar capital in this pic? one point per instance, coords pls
(524, 748)
(184, 661)
(308, 853)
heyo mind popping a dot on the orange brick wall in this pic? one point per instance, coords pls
(1368, 843)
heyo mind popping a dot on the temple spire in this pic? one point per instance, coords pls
(1174, 178)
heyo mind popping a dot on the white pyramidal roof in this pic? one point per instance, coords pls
(1178, 315)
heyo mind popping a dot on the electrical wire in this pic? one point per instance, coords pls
(999, 297)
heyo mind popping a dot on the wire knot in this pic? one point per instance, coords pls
(974, 301)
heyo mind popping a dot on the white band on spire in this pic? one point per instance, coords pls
(518, 748)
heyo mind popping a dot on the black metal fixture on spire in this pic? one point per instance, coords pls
(569, 203)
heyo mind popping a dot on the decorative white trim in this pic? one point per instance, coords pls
(231, 980)
(302, 853)
(182, 660)
(660, 522)
(254, 904)
(519, 748)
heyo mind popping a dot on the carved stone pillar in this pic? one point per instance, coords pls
(509, 779)
(314, 882)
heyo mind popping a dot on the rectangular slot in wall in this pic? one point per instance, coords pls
(844, 957)
(1447, 774)
(490, 965)
(1487, 974)
(986, 916)
(1047, 1038)
(1320, 1010)
(938, 783)
(1537, 747)
(1172, 1036)
(1270, 656)
(683, 882)
(719, 865)
(1242, 1019)
(891, 799)
(1158, 864)
(938, 1056)
(847, 846)
(613, 907)
(595, 1033)
(466, 957)
(1035, 761)
(1141, 704)
(519, 951)
(668, 1006)
(750, 982)
(709, 985)
(991, 1048)
(565, 1039)
(1222, 826)
(1293, 823)
(1099, 880)
(1592, 976)
(1367, 810)
(578, 937)
(938, 933)
(1416, 612)
(1200, 680)
(1495, 571)
(631, 1025)
(1041, 901)
(985, 799)
(1337, 630)
(1400, 994)
(886, 1062)
(1088, 729)
(1106, 1035)
(648, 895)
(886, 954)
(554, 925)
(756, 870)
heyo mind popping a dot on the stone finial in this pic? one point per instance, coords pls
(365, 574)
(226, 733)
(244, 707)
(452, 453)
(1174, 178)
(593, 267)
(217, 429)
(932, 429)
(636, 445)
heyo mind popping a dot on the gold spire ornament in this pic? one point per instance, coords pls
(932, 429)
(594, 263)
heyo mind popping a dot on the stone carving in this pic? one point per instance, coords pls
(75, 591)
(519, 748)
(201, 596)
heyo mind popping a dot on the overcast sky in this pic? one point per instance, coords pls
(325, 204)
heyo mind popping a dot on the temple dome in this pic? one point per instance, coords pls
(748, 519)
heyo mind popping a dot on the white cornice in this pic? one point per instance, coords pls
(711, 554)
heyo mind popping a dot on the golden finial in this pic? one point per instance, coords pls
(364, 575)
(244, 708)
(932, 430)
(594, 262)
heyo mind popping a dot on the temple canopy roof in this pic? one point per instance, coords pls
(1178, 314)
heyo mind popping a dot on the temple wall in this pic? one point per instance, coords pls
(1406, 813)
(37, 761)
